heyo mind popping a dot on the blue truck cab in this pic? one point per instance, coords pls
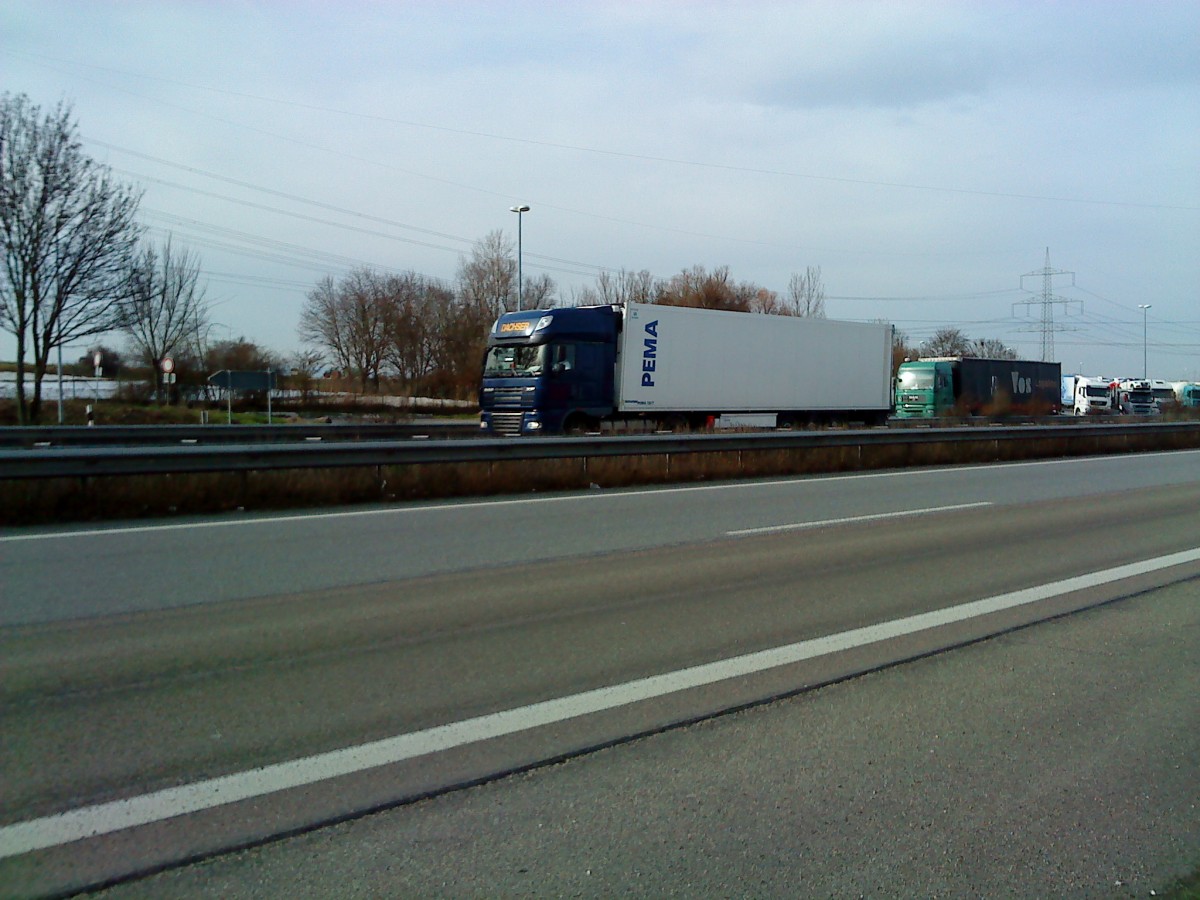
(549, 371)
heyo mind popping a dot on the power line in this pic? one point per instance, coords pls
(621, 154)
(594, 267)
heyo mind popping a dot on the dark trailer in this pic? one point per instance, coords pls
(995, 386)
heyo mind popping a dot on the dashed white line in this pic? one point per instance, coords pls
(823, 523)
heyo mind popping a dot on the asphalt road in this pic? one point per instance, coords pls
(128, 698)
(50, 574)
(1058, 761)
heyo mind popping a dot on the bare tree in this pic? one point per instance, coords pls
(241, 355)
(539, 292)
(69, 236)
(414, 307)
(764, 300)
(324, 324)
(304, 367)
(992, 348)
(805, 294)
(487, 279)
(166, 312)
(903, 350)
(350, 320)
(627, 287)
(462, 330)
(948, 342)
(700, 288)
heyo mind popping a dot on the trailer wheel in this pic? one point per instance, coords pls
(677, 423)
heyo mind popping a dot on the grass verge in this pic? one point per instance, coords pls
(1187, 888)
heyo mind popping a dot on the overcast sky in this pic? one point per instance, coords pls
(923, 154)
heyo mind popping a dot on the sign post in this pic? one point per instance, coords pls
(98, 368)
(168, 376)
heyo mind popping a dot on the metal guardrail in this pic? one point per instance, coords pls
(105, 461)
(161, 435)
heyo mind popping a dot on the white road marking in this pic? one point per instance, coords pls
(585, 496)
(822, 523)
(105, 818)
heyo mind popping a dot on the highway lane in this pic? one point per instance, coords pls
(53, 574)
(1056, 761)
(163, 699)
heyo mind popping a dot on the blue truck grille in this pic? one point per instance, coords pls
(506, 422)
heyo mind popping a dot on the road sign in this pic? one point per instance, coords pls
(168, 364)
(243, 381)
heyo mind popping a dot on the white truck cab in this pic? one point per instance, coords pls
(1164, 393)
(1135, 398)
(1092, 396)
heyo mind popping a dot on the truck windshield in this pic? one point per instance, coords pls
(524, 361)
(916, 379)
(1093, 391)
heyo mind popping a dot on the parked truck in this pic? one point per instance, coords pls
(1164, 394)
(969, 386)
(1091, 396)
(1134, 397)
(1187, 394)
(645, 366)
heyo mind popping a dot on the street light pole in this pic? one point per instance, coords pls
(520, 211)
(1145, 369)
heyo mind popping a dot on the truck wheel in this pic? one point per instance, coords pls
(577, 425)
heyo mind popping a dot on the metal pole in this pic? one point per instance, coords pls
(520, 211)
(1145, 368)
(60, 386)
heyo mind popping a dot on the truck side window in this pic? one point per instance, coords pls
(562, 358)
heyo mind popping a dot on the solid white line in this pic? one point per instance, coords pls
(105, 818)
(821, 523)
(585, 496)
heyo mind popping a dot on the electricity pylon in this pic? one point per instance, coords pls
(1047, 301)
